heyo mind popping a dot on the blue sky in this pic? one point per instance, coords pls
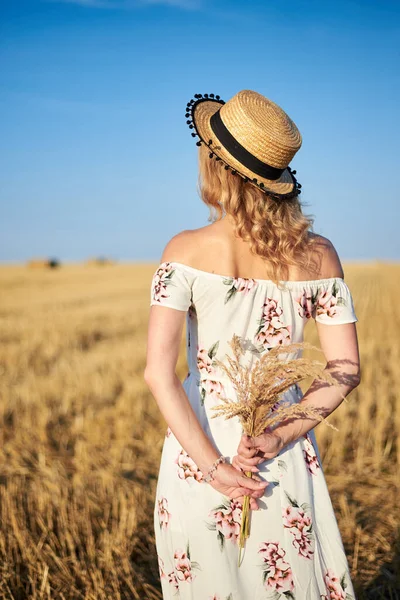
(95, 152)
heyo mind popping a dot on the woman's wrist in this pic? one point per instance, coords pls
(209, 476)
(209, 455)
(290, 432)
(283, 439)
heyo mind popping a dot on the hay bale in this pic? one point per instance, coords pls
(44, 263)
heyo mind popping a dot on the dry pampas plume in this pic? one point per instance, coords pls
(258, 393)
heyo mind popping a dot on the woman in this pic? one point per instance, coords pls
(258, 272)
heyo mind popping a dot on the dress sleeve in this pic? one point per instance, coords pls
(170, 287)
(334, 303)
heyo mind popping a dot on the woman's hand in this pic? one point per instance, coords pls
(233, 483)
(254, 450)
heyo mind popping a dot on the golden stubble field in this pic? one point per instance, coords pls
(81, 435)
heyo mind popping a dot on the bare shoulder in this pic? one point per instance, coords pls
(184, 246)
(177, 247)
(327, 257)
(193, 246)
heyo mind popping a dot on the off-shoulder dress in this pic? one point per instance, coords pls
(295, 550)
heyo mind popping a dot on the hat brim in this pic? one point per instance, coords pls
(201, 115)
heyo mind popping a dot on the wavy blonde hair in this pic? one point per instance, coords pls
(277, 231)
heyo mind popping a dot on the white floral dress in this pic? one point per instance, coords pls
(295, 550)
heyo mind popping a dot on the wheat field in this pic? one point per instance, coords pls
(81, 435)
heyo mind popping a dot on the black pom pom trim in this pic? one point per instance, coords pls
(273, 195)
(189, 114)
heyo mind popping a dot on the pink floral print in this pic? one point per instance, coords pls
(328, 301)
(214, 389)
(209, 386)
(205, 357)
(215, 597)
(187, 468)
(320, 302)
(300, 526)
(161, 279)
(238, 284)
(306, 304)
(184, 566)
(310, 456)
(335, 587)
(226, 520)
(272, 331)
(277, 573)
(326, 304)
(168, 432)
(163, 515)
(172, 579)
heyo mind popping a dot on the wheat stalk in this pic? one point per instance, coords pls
(257, 391)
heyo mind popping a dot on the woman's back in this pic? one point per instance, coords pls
(216, 248)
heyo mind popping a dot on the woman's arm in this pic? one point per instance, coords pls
(164, 338)
(340, 347)
(164, 335)
(163, 345)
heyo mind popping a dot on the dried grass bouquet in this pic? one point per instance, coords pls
(258, 391)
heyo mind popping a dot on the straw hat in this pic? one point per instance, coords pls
(252, 136)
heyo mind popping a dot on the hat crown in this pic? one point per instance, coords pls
(262, 127)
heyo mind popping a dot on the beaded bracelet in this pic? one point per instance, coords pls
(209, 477)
